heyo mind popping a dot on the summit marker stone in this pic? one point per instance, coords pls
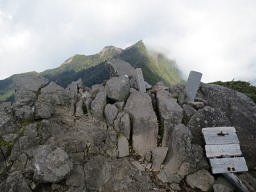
(192, 85)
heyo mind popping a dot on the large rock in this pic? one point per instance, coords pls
(125, 125)
(183, 157)
(206, 117)
(50, 96)
(7, 124)
(158, 156)
(170, 112)
(240, 110)
(202, 180)
(123, 146)
(98, 104)
(179, 147)
(27, 88)
(118, 88)
(97, 172)
(51, 164)
(110, 113)
(144, 122)
(117, 67)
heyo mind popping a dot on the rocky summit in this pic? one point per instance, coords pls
(116, 137)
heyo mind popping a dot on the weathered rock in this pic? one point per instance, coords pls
(120, 105)
(7, 122)
(147, 85)
(158, 156)
(110, 113)
(183, 157)
(43, 110)
(144, 120)
(240, 110)
(167, 177)
(222, 185)
(179, 147)
(76, 178)
(202, 180)
(79, 107)
(176, 90)
(118, 88)
(125, 125)
(170, 112)
(189, 111)
(51, 164)
(98, 104)
(27, 88)
(196, 104)
(206, 117)
(97, 172)
(15, 183)
(221, 188)
(123, 146)
(117, 67)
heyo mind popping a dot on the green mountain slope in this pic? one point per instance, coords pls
(155, 66)
(241, 86)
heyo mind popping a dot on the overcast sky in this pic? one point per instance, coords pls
(216, 37)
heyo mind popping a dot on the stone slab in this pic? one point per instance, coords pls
(140, 80)
(192, 85)
(227, 165)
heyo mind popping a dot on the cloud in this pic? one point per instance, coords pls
(217, 38)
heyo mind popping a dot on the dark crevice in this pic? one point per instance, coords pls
(159, 122)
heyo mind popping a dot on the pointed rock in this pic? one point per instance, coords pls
(118, 88)
(123, 146)
(144, 122)
(158, 156)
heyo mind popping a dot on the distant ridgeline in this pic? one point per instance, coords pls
(241, 86)
(155, 66)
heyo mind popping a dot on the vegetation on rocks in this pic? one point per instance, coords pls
(241, 86)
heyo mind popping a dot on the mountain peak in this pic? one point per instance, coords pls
(110, 50)
(138, 45)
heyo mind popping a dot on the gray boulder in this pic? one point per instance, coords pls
(202, 180)
(183, 157)
(240, 110)
(179, 147)
(206, 117)
(123, 146)
(170, 112)
(51, 164)
(118, 88)
(167, 177)
(49, 97)
(98, 104)
(125, 125)
(27, 88)
(110, 113)
(7, 123)
(144, 122)
(158, 156)
(189, 111)
(117, 67)
(97, 172)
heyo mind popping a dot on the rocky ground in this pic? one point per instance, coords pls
(111, 137)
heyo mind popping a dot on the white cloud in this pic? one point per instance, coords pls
(217, 38)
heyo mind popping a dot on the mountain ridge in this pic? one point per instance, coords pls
(90, 68)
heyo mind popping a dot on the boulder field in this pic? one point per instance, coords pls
(112, 137)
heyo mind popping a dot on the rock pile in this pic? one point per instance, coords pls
(113, 137)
